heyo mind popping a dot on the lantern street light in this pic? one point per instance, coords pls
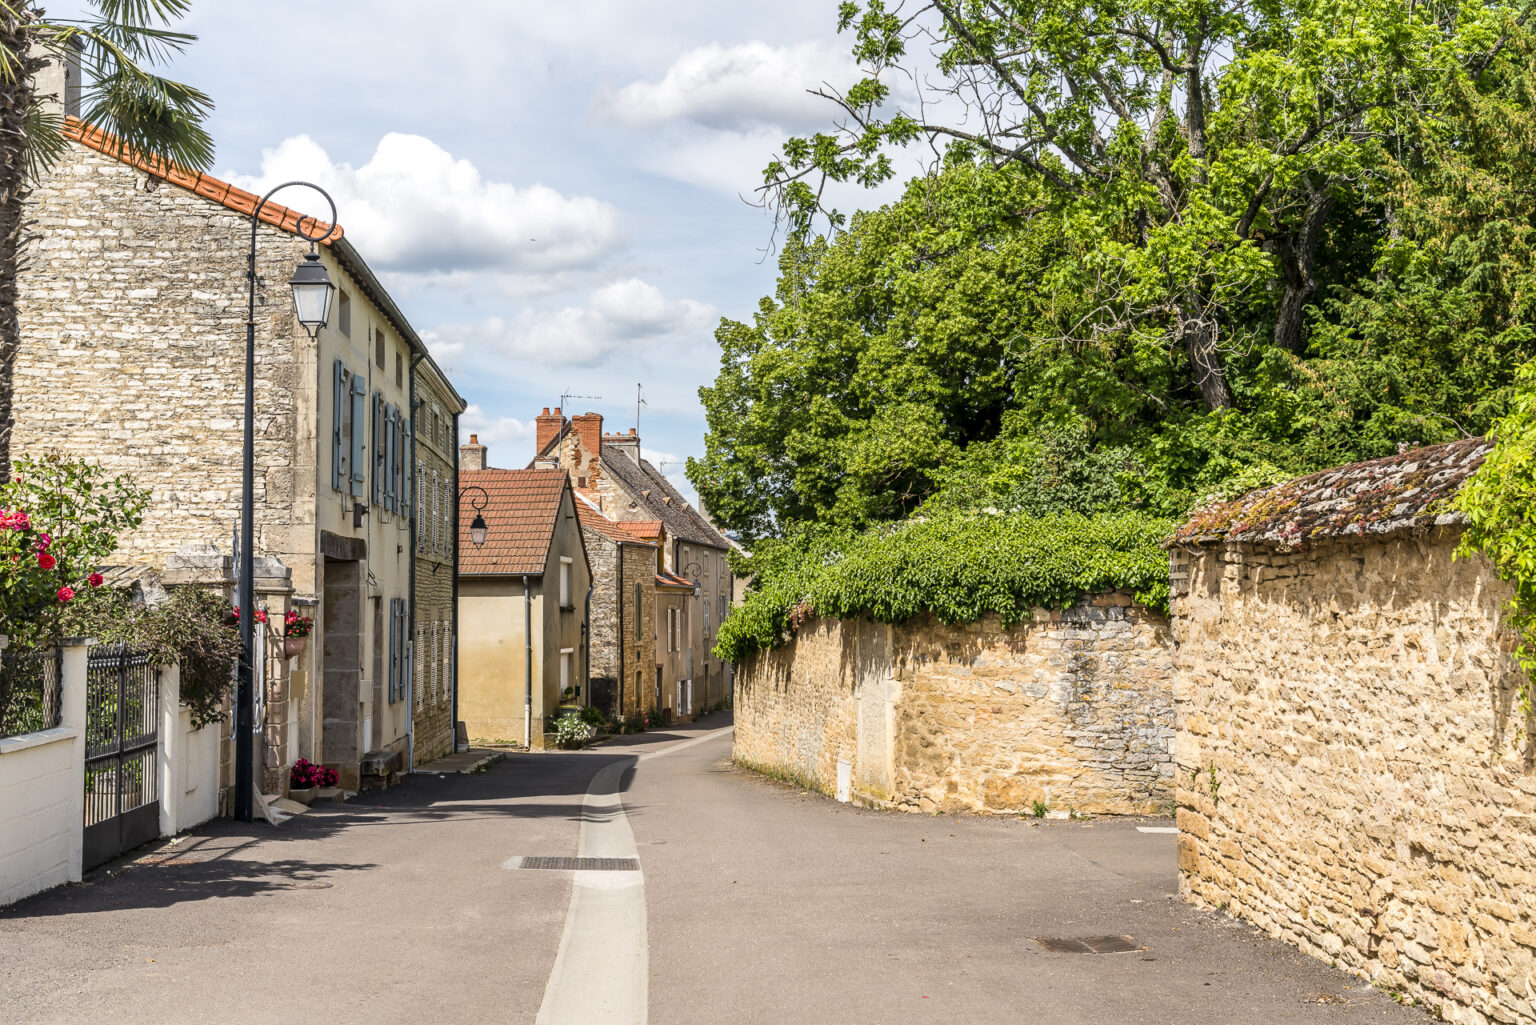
(477, 525)
(312, 292)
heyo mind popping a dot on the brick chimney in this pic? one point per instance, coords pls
(472, 456)
(549, 425)
(589, 428)
(629, 444)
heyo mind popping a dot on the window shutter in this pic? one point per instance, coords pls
(421, 506)
(392, 481)
(338, 420)
(405, 466)
(436, 536)
(359, 463)
(378, 449)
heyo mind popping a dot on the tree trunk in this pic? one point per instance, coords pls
(1198, 329)
(15, 102)
(1298, 263)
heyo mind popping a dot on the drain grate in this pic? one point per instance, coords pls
(1089, 944)
(584, 864)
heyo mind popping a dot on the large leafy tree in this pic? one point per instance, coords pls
(1203, 145)
(118, 45)
(1339, 261)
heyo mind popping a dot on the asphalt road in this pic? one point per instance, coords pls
(756, 903)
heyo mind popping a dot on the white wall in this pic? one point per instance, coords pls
(42, 795)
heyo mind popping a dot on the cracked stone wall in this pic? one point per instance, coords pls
(1074, 709)
(1373, 801)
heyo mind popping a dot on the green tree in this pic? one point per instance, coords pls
(118, 45)
(1200, 150)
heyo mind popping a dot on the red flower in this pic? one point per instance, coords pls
(66, 594)
(46, 561)
(95, 580)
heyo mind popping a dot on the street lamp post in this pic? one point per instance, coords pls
(477, 525)
(312, 293)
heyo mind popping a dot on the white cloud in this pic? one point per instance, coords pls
(415, 209)
(740, 88)
(508, 442)
(618, 314)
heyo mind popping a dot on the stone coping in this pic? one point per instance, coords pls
(42, 738)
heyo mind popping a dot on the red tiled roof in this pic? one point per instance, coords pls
(205, 185)
(613, 530)
(520, 512)
(666, 578)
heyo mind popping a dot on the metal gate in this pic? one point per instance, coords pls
(122, 716)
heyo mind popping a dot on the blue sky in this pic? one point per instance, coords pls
(552, 191)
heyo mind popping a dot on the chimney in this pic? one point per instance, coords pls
(57, 84)
(629, 444)
(549, 425)
(472, 456)
(589, 428)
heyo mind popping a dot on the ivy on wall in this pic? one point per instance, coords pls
(1498, 501)
(956, 566)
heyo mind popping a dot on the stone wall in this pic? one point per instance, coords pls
(436, 525)
(603, 556)
(1073, 709)
(1352, 776)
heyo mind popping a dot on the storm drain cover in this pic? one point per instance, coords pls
(1089, 944)
(584, 864)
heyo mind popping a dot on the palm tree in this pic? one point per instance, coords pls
(116, 45)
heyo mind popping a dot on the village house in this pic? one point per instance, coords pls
(133, 304)
(524, 591)
(624, 559)
(610, 472)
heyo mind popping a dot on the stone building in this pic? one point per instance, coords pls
(609, 470)
(1355, 777)
(436, 410)
(523, 596)
(624, 559)
(1073, 709)
(675, 600)
(133, 304)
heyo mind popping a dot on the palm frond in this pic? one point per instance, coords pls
(45, 140)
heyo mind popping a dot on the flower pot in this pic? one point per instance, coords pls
(305, 796)
(294, 646)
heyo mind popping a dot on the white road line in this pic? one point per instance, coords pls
(602, 969)
(1157, 829)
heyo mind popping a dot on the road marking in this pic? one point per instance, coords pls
(1157, 829)
(602, 969)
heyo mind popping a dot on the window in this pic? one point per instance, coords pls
(639, 621)
(399, 370)
(378, 346)
(416, 666)
(565, 669)
(436, 539)
(344, 314)
(565, 582)
(357, 431)
(339, 407)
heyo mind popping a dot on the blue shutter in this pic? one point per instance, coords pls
(389, 457)
(338, 420)
(394, 648)
(378, 448)
(359, 462)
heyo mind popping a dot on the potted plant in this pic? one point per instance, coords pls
(305, 778)
(296, 631)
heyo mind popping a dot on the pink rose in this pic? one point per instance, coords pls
(46, 561)
(95, 580)
(66, 594)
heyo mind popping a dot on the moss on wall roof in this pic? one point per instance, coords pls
(1410, 492)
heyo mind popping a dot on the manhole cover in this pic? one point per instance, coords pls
(583, 864)
(1089, 944)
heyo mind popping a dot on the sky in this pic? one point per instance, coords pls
(555, 193)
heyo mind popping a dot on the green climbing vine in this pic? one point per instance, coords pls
(1497, 502)
(957, 566)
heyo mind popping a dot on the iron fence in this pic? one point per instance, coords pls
(122, 711)
(30, 691)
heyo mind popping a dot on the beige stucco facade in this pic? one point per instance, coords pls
(494, 655)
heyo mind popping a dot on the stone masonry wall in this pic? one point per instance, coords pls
(1352, 776)
(436, 513)
(1073, 709)
(639, 626)
(603, 556)
(133, 318)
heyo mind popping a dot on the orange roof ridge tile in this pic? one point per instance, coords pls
(206, 185)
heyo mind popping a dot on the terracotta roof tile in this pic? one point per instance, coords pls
(1406, 492)
(520, 510)
(666, 578)
(206, 185)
